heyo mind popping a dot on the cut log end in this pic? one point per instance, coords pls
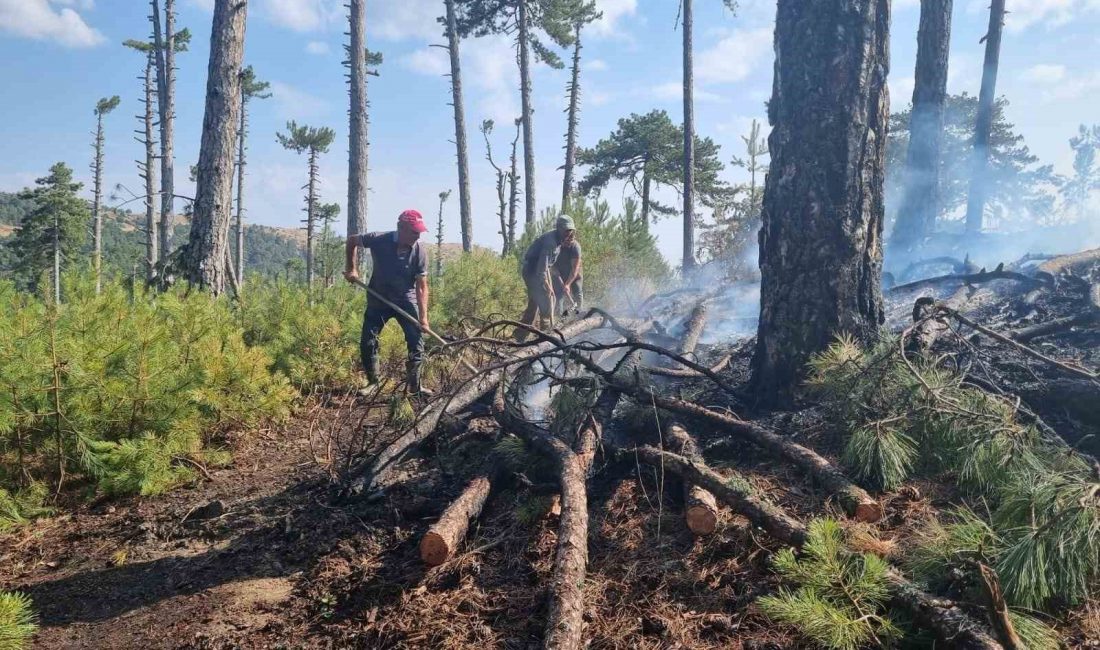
(868, 511)
(434, 550)
(701, 520)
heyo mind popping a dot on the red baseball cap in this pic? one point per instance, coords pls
(414, 219)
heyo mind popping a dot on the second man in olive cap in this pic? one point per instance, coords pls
(551, 266)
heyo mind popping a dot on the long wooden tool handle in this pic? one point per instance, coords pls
(409, 317)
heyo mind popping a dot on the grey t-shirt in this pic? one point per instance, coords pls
(545, 252)
(394, 271)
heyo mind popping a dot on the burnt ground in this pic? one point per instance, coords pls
(263, 556)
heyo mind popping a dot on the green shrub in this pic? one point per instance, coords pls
(1043, 531)
(840, 599)
(127, 392)
(18, 622)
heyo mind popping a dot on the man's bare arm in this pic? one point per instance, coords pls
(422, 300)
(350, 272)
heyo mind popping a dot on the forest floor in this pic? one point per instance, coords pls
(260, 555)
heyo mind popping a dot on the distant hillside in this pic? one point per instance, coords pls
(267, 248)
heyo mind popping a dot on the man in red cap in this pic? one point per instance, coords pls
(399, 274)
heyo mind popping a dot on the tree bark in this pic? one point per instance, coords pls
(735, 493)
(979, 188)
(446, 535)
(513, 194)
(97, 218)
(311, 206)
(357, 120)
(565, 620)
(645, 194)
(464, 209)
(693, 329)
(528, 114)
(689, 140)
(204, 263)
(164, 47)
(150, 175)
(920, 204)
(571, 122)
(854, 499)
(241, 135)
(700, 506)
(823, 198)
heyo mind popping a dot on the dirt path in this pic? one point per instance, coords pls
(204, 566)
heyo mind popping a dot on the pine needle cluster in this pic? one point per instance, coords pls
(840, 599)
(1042, 530)
(18, 621)
(19, 507)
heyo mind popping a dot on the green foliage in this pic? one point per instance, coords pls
(125, 393)
(555, 18)
(1080, 189)
(18, 508)
(1035, 634)
(1043, 531)
(18, 622)
(477, 286)
(106, 105)
(732, 237)
(840, 599)
(252, 87)
(57, 213)
(301, 139)
(312, 344)
(646, 151)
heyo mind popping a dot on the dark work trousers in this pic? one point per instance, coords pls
(375, 319)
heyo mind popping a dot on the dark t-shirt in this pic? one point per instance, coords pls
(545, 253)
(394, 272)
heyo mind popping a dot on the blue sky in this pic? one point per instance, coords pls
(60, 56)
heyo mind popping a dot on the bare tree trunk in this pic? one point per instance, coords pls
(921, 202)
(311, 206)
(164, 46)
(97, 218)
(571, 122)
(823, 201)
(645, 196)
(357, 119)
(204, 263)
(57, 289)
(979, 184)
(689, 140)
(513, 193)
(150, 174)
(528, 114)
(239, 221)
(465, 211)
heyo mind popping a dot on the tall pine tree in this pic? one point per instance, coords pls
(52, 232)
(102, 108)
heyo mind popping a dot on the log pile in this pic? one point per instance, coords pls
(673, 448)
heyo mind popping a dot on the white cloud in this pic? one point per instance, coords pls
(40, 20)
(304, 15)
(396, 20)
(734, 57)
(491, 65)
(613, 12)
(1045, 73)
(431, 61)
(596, 65)
(292, 103)
(1072, 87)
(317, 47)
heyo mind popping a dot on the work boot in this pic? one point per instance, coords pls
(412, 379)
(371, 369)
